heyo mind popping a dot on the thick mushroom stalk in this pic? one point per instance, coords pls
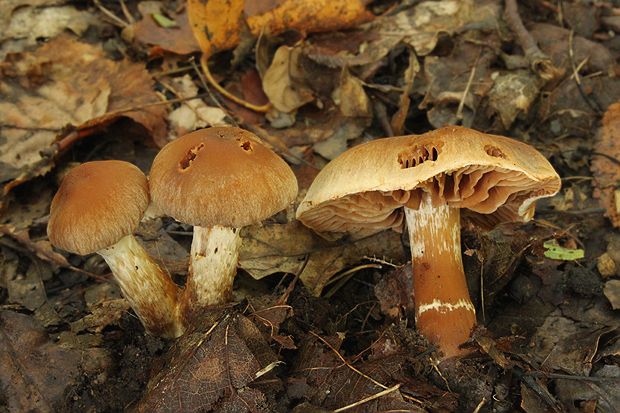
(218, 180)
(214, 257)
(444, 312)
(150, 291)
(495, 178)
(97, 208)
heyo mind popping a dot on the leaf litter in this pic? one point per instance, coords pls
(343, 337)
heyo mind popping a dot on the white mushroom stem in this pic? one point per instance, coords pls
(150, 291)
(212, 269)
(444, 312)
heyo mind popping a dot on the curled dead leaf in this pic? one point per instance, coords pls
(217, 23)
(605, 164)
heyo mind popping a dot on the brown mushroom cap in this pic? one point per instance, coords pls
(97, 205)
(498, 179)
(220, 176)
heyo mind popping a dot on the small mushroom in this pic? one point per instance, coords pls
(431, 181)
(97, 208)
(218, 180)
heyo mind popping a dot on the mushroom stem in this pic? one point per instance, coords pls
(212, 269)
(150, 291)
(444, 312)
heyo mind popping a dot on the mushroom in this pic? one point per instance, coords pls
(431, 181)
(97, 208)
(218, 180)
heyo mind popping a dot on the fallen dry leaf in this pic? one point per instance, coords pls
(612, 292)
(331, 382)
(35, 373)
(101, 315)
(217, 23)
(451, 93)
(512, 94)
(605, 164)
(192, 114)
(567, 345)
(179, 40)
(394, 293)
(353, 99)
(269, 249)
(65, 83)
(8, 7)
(603, 390)
(30, 24)
(212, 370)
(283, 82)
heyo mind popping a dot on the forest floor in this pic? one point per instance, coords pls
(316, 325)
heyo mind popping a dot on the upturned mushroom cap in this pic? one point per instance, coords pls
(98, 204)
(220, 176)
(496, 178)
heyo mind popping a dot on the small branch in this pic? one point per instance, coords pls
(227, 94)
(282, 300)
(42, 253)
(367, 399)
(459, 112)
(539, 62)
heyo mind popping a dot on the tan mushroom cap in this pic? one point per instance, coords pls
(496, 178)
(97, 205)
(220, 176)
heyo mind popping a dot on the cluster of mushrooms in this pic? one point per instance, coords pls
(432, 182)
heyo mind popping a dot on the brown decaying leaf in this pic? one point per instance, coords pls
(101, 315)
(43, 249)
(331, 382)
(217, 23)
(8, 7)
(353, 99)
(212, 370)
(567, 345)
(394, 293)
(179, 40)
(34, 372)
(282, 248)
(514, 93)
(597, 396)
(449, 78)
(65, 83)
(612, 292)
(606, 171)
(283, 81)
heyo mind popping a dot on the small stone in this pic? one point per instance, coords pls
(606, 266)
(612, 292)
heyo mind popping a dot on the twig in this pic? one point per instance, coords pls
(367, 399)
(347, 364)
(290, 287)
(557, 376)
(482, 402)
(111, 15)
(233, 392)
(539, 62)
(482, 289)
(459, 112)
(46, 255)
(381, 114)
(205, 68)
(205, 85)
(589, 211)
(442, 377)
(575, 75)
(180, 96)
